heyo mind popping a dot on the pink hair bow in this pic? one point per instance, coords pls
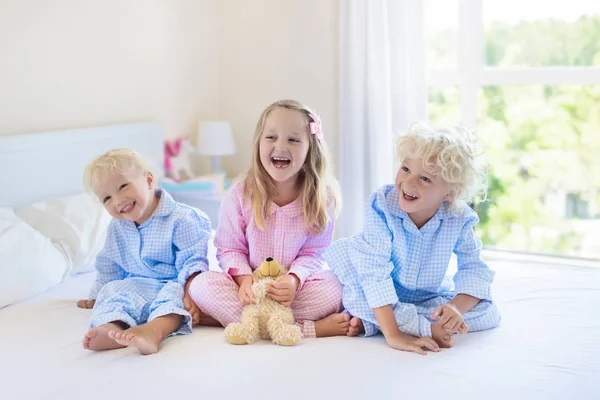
(315, 126)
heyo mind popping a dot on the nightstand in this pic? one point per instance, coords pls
(209, 204)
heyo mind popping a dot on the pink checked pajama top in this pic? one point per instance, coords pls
(242, 246)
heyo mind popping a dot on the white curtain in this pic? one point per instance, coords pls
(382, 90)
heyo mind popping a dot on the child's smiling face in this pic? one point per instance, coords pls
(420, 192)
(128, 197)
(284, 144)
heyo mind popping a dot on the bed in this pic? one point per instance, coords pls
(547, 346)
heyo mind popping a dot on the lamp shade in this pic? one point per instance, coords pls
(215, 138)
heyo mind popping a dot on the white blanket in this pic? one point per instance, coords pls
(547, 347)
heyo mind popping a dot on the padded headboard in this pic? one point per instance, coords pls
(39, 166)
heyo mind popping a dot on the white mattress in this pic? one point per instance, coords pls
(547, 347)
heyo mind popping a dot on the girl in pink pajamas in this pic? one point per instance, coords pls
(285, 209)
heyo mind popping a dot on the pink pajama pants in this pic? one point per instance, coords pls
(216, 294)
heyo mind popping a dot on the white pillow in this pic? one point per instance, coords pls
(29, 262)
(78, 223)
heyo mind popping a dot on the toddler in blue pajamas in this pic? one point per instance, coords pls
(394, 272)
(154, 246)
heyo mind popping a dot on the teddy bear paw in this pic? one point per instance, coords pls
(236, 340)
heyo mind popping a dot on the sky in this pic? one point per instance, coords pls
(444, 13)
(514, 10)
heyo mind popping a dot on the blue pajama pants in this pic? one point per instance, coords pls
(136, 301)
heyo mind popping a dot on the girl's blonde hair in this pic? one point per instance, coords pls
(116, 161)
(318, 184)
(451, 153)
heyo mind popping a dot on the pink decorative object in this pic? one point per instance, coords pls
(177, 159)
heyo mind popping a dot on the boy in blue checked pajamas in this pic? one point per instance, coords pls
(394, 272)
(154, 246)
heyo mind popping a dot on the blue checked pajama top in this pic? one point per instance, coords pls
(142, 270)
(392, 262)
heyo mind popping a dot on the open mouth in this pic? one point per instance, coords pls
(128, 208)
(409, 197)
(280, 162)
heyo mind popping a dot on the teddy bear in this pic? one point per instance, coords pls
(266, 318)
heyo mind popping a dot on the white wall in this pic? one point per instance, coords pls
(275, 49)
(75, 63)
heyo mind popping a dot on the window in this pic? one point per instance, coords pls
(527, 78)
(577, 207)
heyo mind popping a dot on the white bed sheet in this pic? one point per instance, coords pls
(547, 347)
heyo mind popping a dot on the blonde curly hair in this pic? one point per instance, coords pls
(451, 153)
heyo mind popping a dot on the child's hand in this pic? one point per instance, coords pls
(245, 294)
(410, 343)
(191, 307)
(450, 319)
(189, 304)
(86, 303)
(283, 289)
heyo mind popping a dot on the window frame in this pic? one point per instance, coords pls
(471, 74)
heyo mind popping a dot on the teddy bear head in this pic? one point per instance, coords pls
(268, 269)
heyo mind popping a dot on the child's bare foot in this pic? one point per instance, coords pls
(356, 327)
(141, 337)
(98, 338)
(333, 325)
(441, 337)
(207, 320)
(147, 337)
(89, 304)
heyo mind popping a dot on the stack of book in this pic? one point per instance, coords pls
(204, 185)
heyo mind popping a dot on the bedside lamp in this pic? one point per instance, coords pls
(215, 139)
